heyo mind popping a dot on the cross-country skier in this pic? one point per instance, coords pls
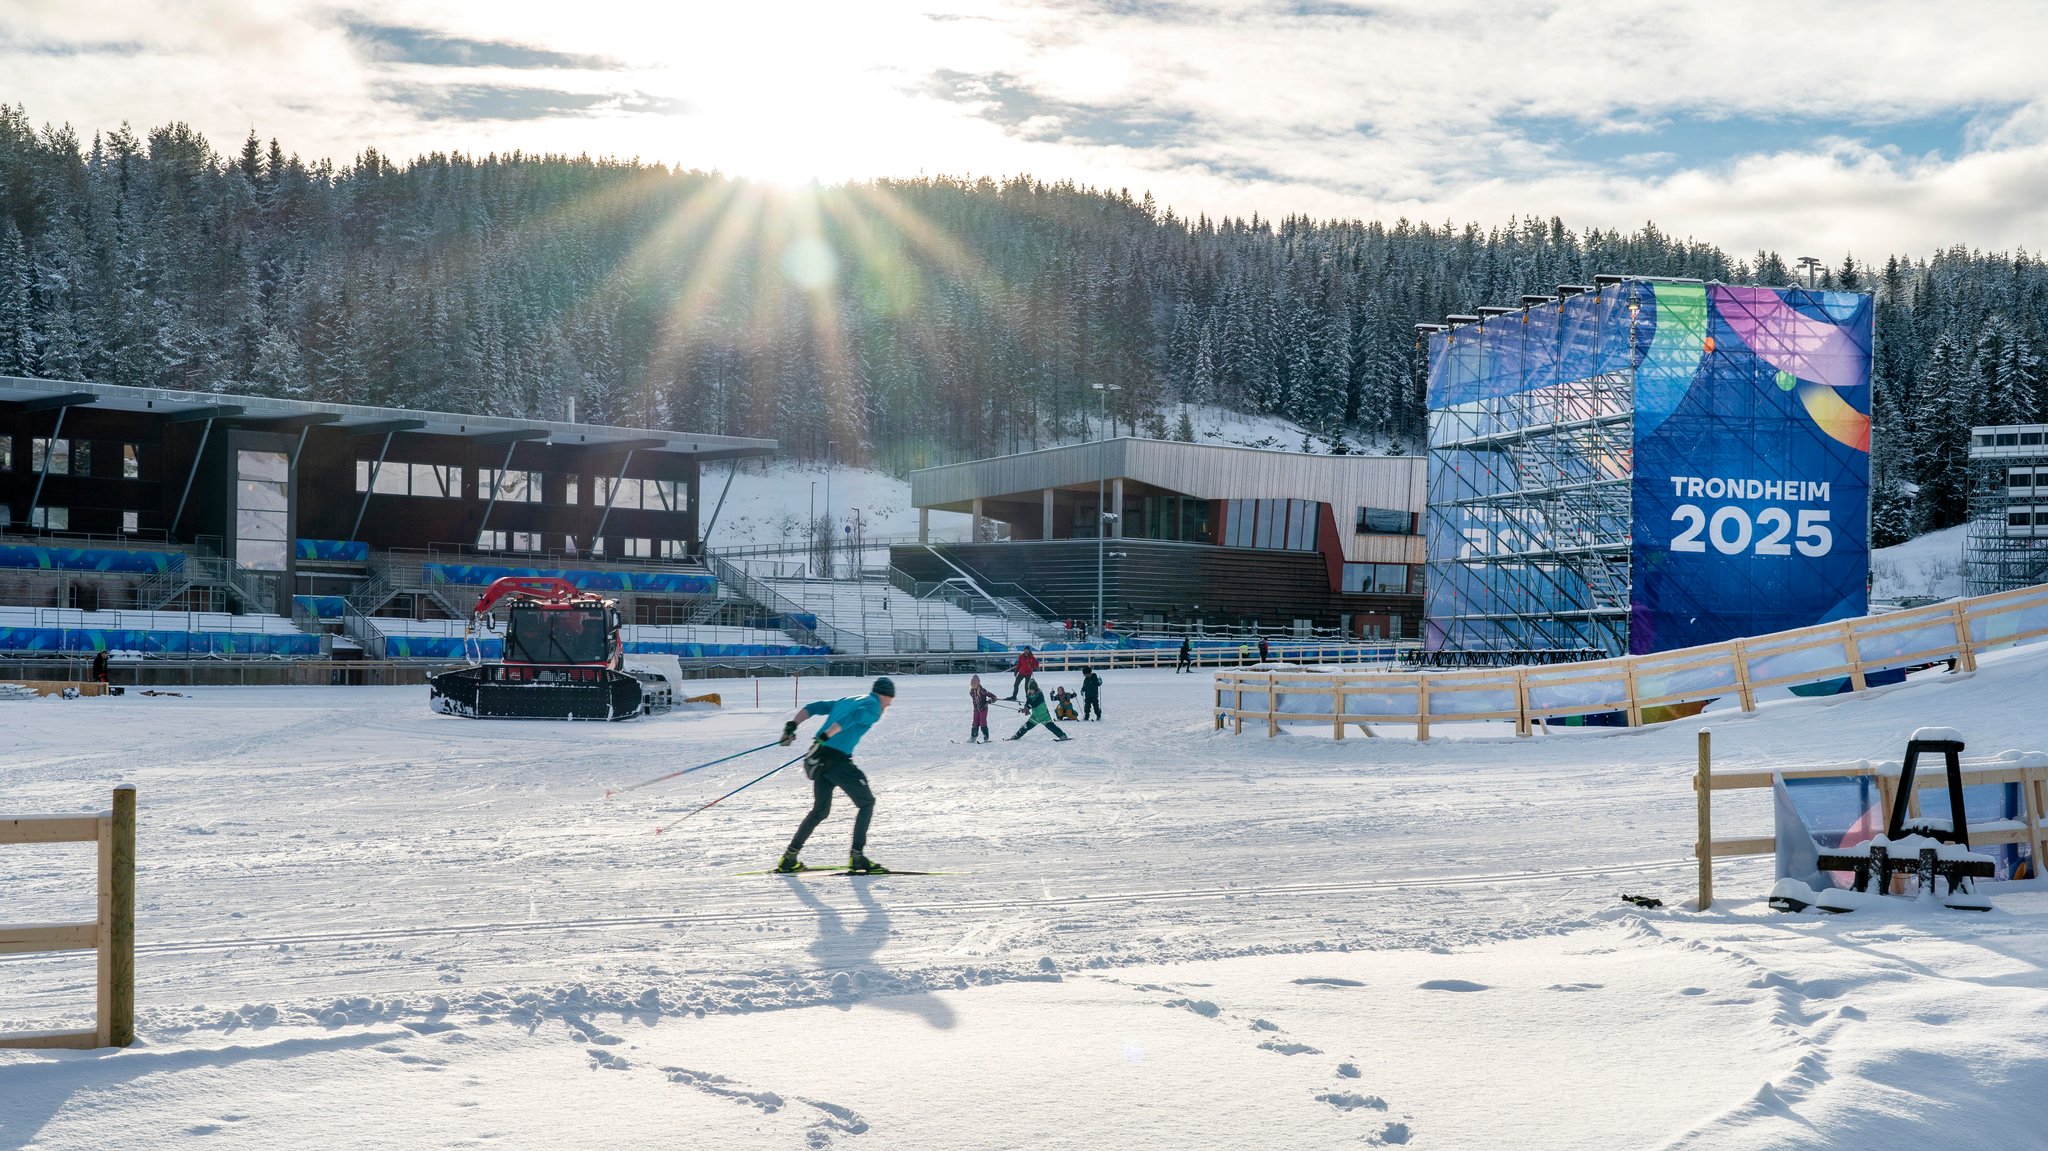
(1027, 666)
(830, 764)
(1187, 660)
(979, 698)
(1036, 715)
(1091, 694)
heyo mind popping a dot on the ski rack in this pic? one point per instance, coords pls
(2031, 773)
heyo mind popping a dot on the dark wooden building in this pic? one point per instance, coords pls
(1188, 533)
(271, 483)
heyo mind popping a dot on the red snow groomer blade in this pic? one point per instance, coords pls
(562, 659)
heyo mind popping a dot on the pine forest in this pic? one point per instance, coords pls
(905, 321)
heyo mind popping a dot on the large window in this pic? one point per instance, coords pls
(53, 456)
(261, 510)
(441, 481)
(516, 487)
(51, 519)
(131, 461)
(1282, 524)
(1376, 579)
(495, 541)
(1385, 521)
(645, 495)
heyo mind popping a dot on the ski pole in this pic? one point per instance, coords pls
(609, 792)
(730, 794)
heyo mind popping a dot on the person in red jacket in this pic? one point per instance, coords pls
(1027, 666)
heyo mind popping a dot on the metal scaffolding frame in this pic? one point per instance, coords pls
(1530, 494)
(2008, 536)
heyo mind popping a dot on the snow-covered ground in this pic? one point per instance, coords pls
(1929, 565)
(363, 925)
(769, 507)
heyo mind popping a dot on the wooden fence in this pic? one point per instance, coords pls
(112, 935)
(1642, 688)
(2031, 775)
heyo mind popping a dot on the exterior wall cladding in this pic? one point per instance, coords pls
(1181, 548)
(326, 501)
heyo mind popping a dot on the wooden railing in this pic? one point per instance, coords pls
(1642, 688)
(112, 934)
(2030, 773)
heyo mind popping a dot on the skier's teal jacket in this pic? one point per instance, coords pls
(855, 715)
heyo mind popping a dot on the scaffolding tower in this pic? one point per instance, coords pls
(2008, 535)
(1529, 499)
(1646, 463)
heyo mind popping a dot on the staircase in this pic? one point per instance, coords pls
(787, 609)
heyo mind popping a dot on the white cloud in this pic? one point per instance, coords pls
(1873, 127)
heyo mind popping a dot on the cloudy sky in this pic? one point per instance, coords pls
(1808, 127)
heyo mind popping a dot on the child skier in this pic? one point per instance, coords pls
(1091, 694)
(978, 697)
(830, 764)
(1035, 713)
(1063, 701)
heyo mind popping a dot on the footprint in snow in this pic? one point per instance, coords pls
(1328, 981)
(1278, 1047)
(1454, 985)
(1201, 1007)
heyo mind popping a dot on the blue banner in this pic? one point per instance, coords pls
(1752, 461)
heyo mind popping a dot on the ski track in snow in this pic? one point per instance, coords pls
(425, 897)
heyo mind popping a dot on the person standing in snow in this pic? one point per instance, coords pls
(1027, 666)
(1264, 652)
(978, 697)
(1036, 715)
(830, 764)
(1187, 658)
(1244, 653)
(99, 666)
(1091, 694)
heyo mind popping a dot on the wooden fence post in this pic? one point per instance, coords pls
(1966, 653)
(1522, 726)
(117, 922)
(1854, 654)
(1272, 705)
(1337, 708)
(1421, 707)
(1704, 784)
(1743, 691)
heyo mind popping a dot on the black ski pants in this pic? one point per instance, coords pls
(835, 769)
(1091, 707)
(1017, 684)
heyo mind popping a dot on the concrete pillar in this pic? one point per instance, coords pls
(1045, 533)
(977, 520)
(1116, 507)
(924, 525)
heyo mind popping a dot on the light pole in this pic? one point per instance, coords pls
(811, 535)
(1809, 263)
(1103, 517)
(859, 556)
(829, 445)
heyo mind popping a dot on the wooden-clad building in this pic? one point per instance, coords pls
(1189, 533)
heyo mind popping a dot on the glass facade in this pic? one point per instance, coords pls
(1288, 525)
(262, 510)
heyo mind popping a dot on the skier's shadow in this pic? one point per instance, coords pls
(840, 950)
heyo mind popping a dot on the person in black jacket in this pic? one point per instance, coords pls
(99, 666)
(1091, 694)
(1187, 658)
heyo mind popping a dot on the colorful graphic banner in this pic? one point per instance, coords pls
(1752, 461)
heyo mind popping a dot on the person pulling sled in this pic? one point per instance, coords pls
(1036, 715)
(1027, 666)
(830, 765)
